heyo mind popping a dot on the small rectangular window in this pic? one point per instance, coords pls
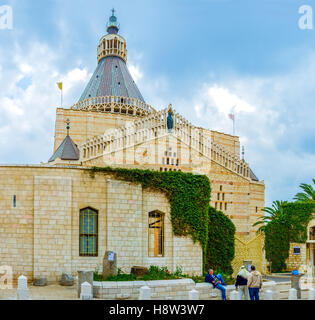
(156, 234)
(14, 201)
(88, 232)
(216, 205)
(220, 205)
(218, 196)
(223, 196)
(225, 206)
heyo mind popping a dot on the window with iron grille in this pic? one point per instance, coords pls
(88, 232)
(156, 234)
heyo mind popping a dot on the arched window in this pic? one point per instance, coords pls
(88, 232)
(156, 234)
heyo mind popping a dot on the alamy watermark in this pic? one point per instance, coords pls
(6, 277)
(6, 18)
(306, 20)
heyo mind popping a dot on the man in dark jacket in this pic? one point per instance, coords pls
(216, 281)
(241, 283)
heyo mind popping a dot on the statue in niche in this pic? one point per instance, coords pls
(170, 119)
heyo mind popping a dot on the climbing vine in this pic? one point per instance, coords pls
(188, 194)
(289, 226)
(221, 237)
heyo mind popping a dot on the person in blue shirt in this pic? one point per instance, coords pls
(217, 282)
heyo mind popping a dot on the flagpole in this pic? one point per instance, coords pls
(61, 98)
(234, 124)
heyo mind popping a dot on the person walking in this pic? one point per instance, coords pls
(254, 283)
(241, 283)
(217, 282)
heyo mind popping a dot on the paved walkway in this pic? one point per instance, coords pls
(50, 292)
(278, 279)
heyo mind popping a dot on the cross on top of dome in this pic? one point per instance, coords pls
(112, 25)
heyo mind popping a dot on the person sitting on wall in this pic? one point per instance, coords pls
(217, 282)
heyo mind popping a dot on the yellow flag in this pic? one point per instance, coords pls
(59, 85)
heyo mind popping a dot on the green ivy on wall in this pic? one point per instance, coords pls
(221, 238)
(289, 226)
(188, 194)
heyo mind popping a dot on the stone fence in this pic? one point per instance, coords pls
(130, 290)
(178, 290)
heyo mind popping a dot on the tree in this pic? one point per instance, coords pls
(273, 212)
(308, 194)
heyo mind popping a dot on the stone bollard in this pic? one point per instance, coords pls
(145, 293)
(193, 295)
(234, 295)
(22, 290)
(311, 294)
(86, 291)
(268, 295)
(84, 276)
(292, 294)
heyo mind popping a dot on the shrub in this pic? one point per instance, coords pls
(221, 237)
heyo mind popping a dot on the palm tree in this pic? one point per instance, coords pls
(272, 212)
(308, 194)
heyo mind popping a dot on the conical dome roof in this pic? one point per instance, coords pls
(111, 78)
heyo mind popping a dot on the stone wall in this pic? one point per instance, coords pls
(130, 290)
(85, 124)
(295, 261)
(40, 236)
(179, 290)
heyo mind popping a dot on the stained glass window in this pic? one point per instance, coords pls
(88, 232)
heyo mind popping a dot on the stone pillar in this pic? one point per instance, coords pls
(311, 294)
(268, 295)
(234, 295)
(292, 294)
(84, 276)
(193, 295)
(86, 291)
(145, 293)
(22, 291)
(109, 264)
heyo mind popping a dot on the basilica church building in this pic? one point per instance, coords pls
(56, 217)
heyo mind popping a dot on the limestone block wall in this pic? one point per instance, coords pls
(16, 223)
(52, 225)
(295, 261)
(124, 219)
(130, 290)
(240, 199)
(40, 236)
(85, 124)
(230, 142)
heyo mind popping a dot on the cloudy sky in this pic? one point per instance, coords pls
(203, 56)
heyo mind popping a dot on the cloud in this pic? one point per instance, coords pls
(135, 72)
(28, 101)
(226, 101)
(274, 119)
